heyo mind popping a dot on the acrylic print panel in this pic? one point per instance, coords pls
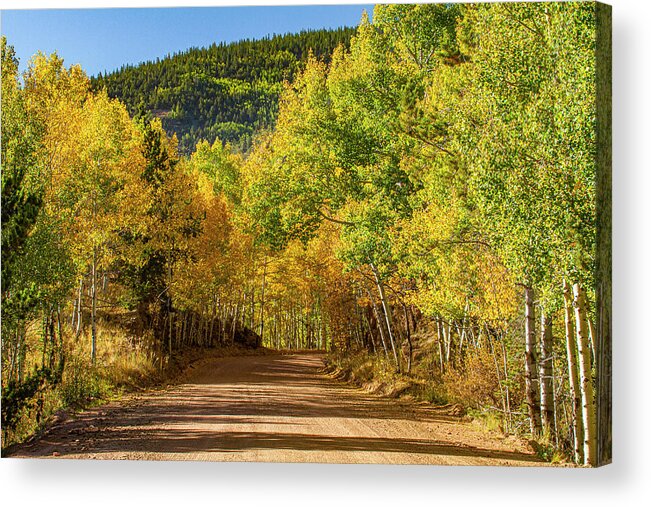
(334, 234)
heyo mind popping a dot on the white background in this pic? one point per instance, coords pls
(625, 482)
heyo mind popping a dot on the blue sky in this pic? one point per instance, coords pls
(105, 39)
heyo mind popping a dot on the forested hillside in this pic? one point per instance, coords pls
(225, 91)
(424, 209)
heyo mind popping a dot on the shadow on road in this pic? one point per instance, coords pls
(231, 406)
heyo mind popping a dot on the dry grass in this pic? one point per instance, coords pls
(475, 383)
(123, 364)
(377, 374)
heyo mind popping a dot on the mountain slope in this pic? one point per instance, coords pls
(225, 91)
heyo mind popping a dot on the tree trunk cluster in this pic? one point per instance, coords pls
(540, 375)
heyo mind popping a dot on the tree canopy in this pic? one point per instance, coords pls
(421, 189)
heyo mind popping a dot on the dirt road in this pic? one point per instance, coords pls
(273, 408)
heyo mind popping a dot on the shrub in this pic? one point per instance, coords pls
(81, 383)
(475, 384)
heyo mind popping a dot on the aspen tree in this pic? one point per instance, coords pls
(531, 363)
(546, 374)
(573, 375)
(585, 374)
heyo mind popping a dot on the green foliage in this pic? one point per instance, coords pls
(535, 190)
(21, 196)
(436, 159)
(18, 395)
(81, 384)
(144, 271)
(222, 167)
(423, 35)
(46, 263)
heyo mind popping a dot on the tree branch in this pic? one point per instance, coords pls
(335, 220)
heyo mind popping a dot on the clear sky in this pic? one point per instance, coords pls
(105, 39)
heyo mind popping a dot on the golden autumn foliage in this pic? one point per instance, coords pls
(423, 198)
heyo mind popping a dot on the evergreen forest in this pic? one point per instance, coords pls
(228, 91)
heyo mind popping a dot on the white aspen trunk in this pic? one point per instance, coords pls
(264, 284)
(546, 374)
(573, 375)
(203, 328)
(321, 334)
(73, 315)
(79, 307)
(498, 375)
(461, 333)
(585, 370)
(178, 329)
(296, 330)
(60, 332)
(93, 291)
(506, 376)
(447, 339)
(252, 326)
(387, 316)
(234, 323)
(408, 336)
(462, 330)
(439, 332)
(44, 331)
(379, 323)
(591, 334)
(370, 332)
(213, 315)
(179, 336)
(21, 351)
(169, 309)
(195, 329)
(223, 317)
(93, 310)
(14, 356)
(170, 334)
(530, 366)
